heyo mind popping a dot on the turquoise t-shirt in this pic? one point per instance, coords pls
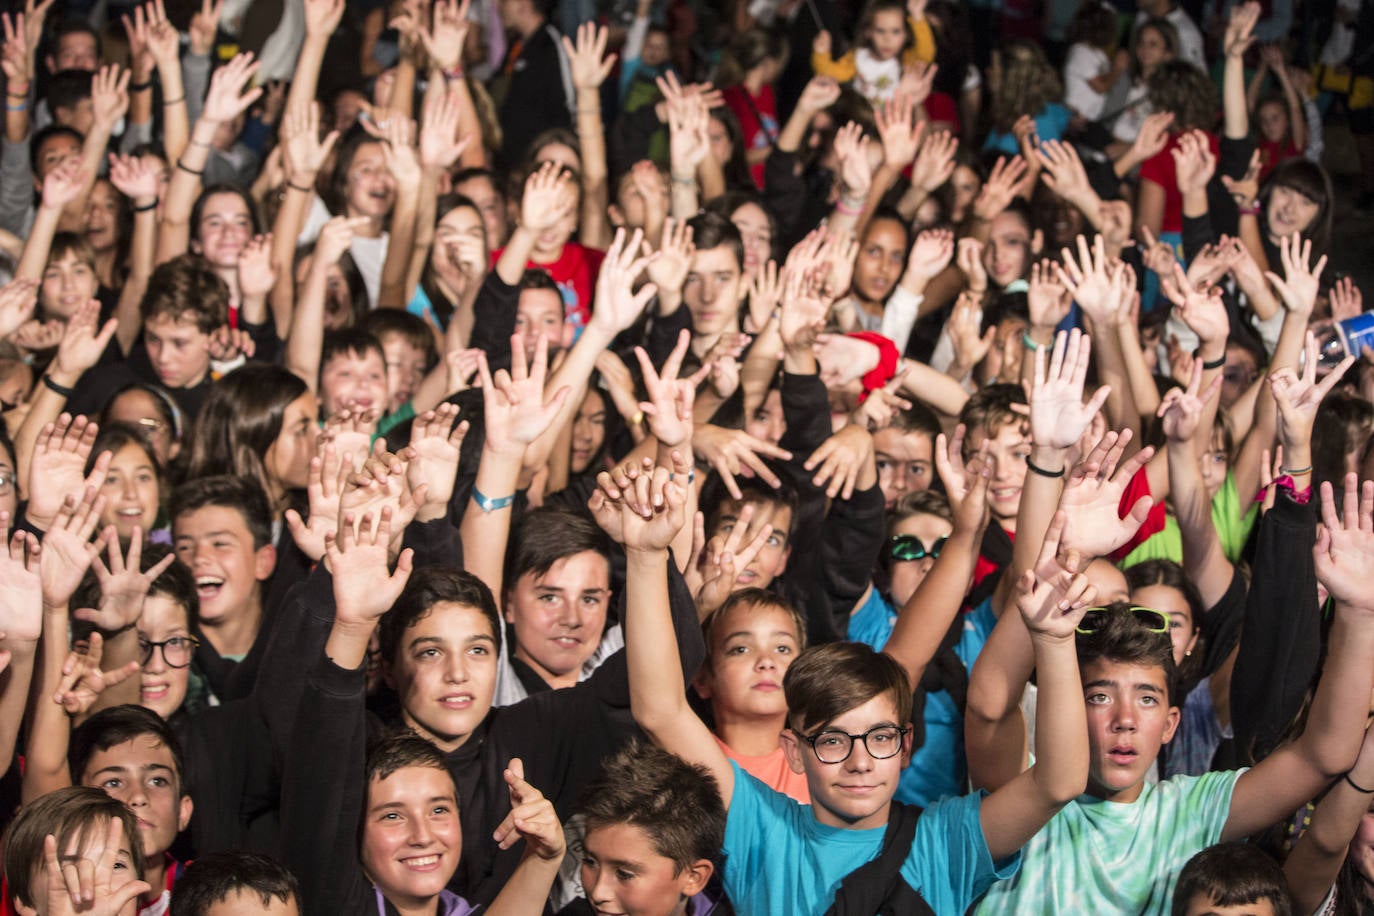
(780, 859)
(1050, 124)
(1108, 858)
(938, 767)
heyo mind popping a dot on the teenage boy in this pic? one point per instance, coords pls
(849, 732)
(707, 288)
(222, 533)
(185, 303)
(1129, 685)
(234, 884)
(995, 415)
(557, 598)
(654, 827)
(98, 839)
(133, 755)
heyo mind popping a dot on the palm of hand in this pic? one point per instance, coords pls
(356, 582)
(1093, 526)
(519, 414)
(1206, 315)
(435, 463)
(21, 602)
(121, 599)
(668, 271)
(63, 565)
(52, 475)
(1348, 567)
(1057, 415)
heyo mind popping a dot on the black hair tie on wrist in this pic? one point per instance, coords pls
(1036, 469)
(1357, 788)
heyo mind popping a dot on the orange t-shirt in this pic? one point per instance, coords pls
(772, 770)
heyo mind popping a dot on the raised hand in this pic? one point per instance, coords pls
(364, 588)
(935, 162)
(802, 316)
(123, 585)
(1052, 598)
(725, 557)
(668, 270)
(1047, 299)
(335, 238)
(444, 39)
(110, 95)
(548, 199)
(18, 298)
(399, 152)
(303, 152)
(1200, 308)
(63, 184)
(1180, 410)
(820, 93)
(971, 343)
(1194, 162)
(949, 464)
(643, 509)
(83, 681)
(256, 271)
(14, 54)
(1299, 396)
(688, 125)
(1157, 256)
(844, 358)
(669, 408)
(227, 98)
(134, 177)
(322, 17)
(1344, 552)
(1240, 27)
(839, 460)
(899, 130)
(1153, 136)
(204, 26)
(380, 484)
(1000, 188)
(1063, 171)
(532, 817)
(435, 445)
(1092, 495)
(931, 254)
(440, 144)
(516, 407)
(68, 549)
(1058, 416)
(617, 303)
(323, 486)
(84, 883)
(1346, 299)
(969, 257)
(1089, 279)
(855, 170)
(228, 344)
(21, 586)
(1299, 284)
(587, 59)
(58, 467)
(732, 452)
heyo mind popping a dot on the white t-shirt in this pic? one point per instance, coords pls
(1084, 63)
(368, 254)
(1189, 37)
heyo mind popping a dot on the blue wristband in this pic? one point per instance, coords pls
(487, 504)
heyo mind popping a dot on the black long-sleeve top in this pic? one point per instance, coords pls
(1281, 650)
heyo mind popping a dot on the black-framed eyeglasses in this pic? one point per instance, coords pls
(1095, 618)
(177, 652)
(910, 547)
(8, 479)
(834, 746)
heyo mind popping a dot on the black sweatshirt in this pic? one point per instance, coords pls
(1281, 650)
(561, 735)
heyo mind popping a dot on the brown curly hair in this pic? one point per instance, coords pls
(1028, 83)
(1185, 91)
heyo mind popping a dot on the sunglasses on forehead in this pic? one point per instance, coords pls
(1095, 618)
(909, 547)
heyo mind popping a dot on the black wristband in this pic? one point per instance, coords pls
(60, 389)
(145, 208)
(186, 168)
(141, 87)
(1036, 469)
(1214, 364)
(1353, 785)
(304, 188)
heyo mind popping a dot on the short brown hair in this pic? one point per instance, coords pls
(1121, 638)
(187, 288)
(65, 813)
(827, 681)
(677, 804)
(754, 598)
(989, 410)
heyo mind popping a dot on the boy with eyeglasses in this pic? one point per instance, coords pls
(849, 733)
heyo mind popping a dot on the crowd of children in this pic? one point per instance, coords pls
(597, 458)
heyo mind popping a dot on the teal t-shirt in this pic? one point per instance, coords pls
(780, 859)
(938, 767)
(1108, 858)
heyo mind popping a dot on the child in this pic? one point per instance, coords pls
(654, 828)
(222, 532)
(352, 374)
(904, 452)
(133, 484)
(1129, 683)
(849, 733)
(1230, 876)
(133, 755)
(557, 597)
(750, 643)
(991, 416)
(892, 37)
(232, 883)
(186, 302)
(749, 67)
(168, 637)
(409, 351)
(96, 834)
